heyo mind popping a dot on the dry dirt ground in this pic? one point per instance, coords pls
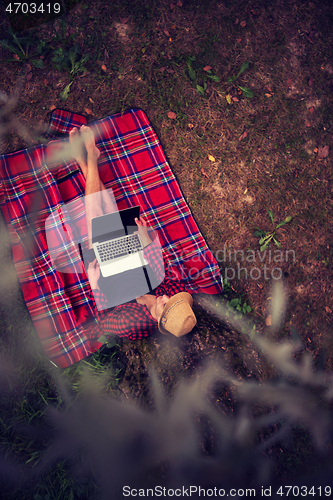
(272, 151)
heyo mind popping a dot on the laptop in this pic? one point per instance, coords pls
(116, 242)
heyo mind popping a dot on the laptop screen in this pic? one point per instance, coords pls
(114, 225)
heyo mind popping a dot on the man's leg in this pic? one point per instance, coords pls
(77, 143)
(93, 198)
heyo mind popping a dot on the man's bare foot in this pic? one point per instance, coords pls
(89, 141)
(76, 143)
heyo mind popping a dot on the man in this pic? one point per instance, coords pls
(168, 308)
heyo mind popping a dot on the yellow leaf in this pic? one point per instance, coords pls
(228, 98)
(245, 191)
(211, 158)
(88, 111)
(190, 125)
(52, 107)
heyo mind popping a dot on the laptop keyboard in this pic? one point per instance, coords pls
(118, 248)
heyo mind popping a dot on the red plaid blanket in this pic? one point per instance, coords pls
(133, 164)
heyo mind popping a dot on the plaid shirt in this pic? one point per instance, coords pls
(134, 320)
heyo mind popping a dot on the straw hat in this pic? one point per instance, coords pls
(177, 317)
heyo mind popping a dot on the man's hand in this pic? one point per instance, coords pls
(94, 273)
(143, 231)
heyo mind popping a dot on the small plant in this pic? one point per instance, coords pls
(233, 303)
(202, 78)
(237, 304)
(246, 91)
(266, 237)
(21, 47)
(72, 62)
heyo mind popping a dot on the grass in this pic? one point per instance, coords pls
(289, 46)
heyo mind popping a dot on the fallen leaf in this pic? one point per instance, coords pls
(123, 20)
(172, 115)
(328, 310)
(91, 100)
(315, 150)
(228, 98)
(237, 20)
(244, 134)
(179, 3)
(173, 27)
(245, 191)
(269, 320)
(312, 109)
(204, 173)
(190, 125)
(46, 82)
(310, 82)
(29, 76)
(172, 6)
(239, 40)
(207, 68)
(289, 83)
(103, 67)
(16, 57)
(211, 158)
(323, 151)
(243, 24)
(255, 12)
(268, 88)
(88, 111)
(170, 39)
(235, 99)
(268, 95)
(307, 123)
(52, 107)
(166, 32)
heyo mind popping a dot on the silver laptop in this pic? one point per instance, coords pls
(116, 242)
